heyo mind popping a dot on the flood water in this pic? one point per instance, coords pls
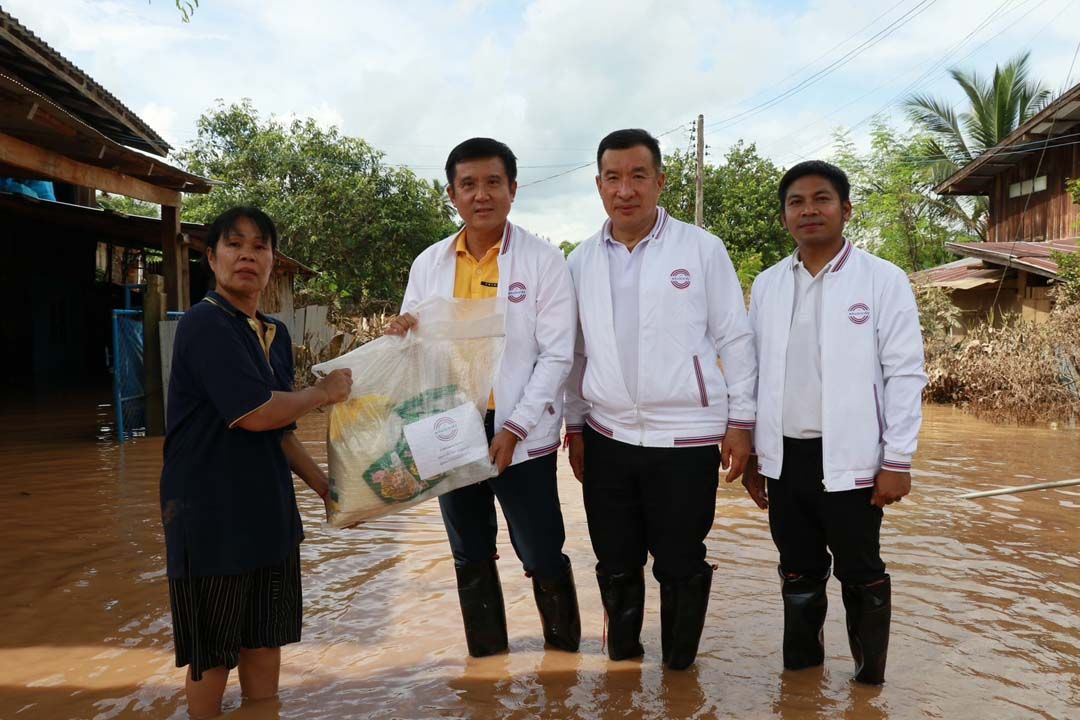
(985, 619)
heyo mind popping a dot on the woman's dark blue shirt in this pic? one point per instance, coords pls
(227, 500)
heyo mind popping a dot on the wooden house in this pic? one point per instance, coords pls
(64, 267)
(1032, 216)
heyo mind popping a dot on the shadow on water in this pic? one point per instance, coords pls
(985, 605)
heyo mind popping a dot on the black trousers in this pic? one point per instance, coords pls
(642, 500)
(529, 496)
(807, 522)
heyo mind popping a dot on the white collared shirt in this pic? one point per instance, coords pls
(802, 378)
(624, 271)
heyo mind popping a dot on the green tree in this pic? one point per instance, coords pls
(741, 207)
(339, 208)
(950, 139)
(186, 8)
(1067, 285)
(567, 247)
(128, 206)
(895, 213)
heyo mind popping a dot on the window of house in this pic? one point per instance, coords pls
(1027, 187)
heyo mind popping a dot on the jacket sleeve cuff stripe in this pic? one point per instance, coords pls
(516, 429)
(896, 465)
(546, 450)
(740, 424)
(571, 429)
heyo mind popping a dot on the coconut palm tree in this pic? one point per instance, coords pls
(951, 138)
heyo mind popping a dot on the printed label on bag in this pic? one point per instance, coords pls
(447, 440)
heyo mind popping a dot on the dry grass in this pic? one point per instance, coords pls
(1016, 372)
(352, 332)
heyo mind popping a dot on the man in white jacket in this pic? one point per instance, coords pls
(659, 305)
(490, 257)
(840, 362)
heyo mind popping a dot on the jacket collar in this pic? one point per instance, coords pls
(655, 235)
(839, 261)
(509, 235)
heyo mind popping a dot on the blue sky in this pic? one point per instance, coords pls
(549, 77)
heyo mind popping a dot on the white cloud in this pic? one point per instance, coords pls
(160, 118)
(549, 77)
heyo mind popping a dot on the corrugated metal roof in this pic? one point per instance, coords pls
(29, 116)
(38, 65)
(1061, 117)
(962, 274)
(1031, 256)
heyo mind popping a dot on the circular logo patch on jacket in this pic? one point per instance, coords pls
(445, 429)
(858, 313)
(516, 292)
(680, 278)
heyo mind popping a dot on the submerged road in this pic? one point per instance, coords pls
(986, 617)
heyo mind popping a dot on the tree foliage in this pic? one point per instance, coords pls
(128, 206)
(339, 208)
(894, 211)
(567, 247)
(1067, 285)
(951, 138)
(741, 207)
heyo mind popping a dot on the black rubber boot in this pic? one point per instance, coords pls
(869, 611)
(482, 608)
(683, 605)
(669, 599)
(805, 605)
(556, 599)
(623, 595)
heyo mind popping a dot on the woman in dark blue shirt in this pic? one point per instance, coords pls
(232, 528)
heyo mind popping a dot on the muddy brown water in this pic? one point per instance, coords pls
(985, 613)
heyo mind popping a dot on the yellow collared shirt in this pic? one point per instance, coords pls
(476, 279)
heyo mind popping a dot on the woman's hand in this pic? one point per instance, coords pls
(336, 385)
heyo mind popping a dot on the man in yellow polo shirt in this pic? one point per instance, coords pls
(491, 257)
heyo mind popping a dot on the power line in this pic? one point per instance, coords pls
(910, 86)
(837, 46)
(828, 69)
(917, 160)
(944, 58)
(556, 175)
(589, 162)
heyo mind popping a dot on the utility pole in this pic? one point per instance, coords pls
(699, 192)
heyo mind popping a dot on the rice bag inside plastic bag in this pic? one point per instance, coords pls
(412, 427)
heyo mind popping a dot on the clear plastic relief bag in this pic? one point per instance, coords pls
(413, 425)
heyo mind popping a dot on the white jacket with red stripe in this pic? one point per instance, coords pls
(540, 319)
(691, 314)
(871, 367)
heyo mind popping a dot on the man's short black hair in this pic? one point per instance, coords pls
(481, 148)
(836, 177)
(630, 138)
(225, 223)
